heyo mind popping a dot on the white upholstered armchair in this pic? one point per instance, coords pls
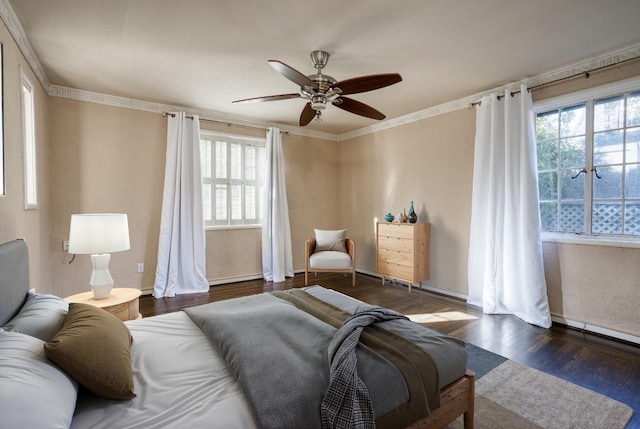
(330, 251)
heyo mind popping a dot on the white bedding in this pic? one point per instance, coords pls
(179, 377)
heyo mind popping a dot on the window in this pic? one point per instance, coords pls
(29, 145)
(232, 179)
(589, 162)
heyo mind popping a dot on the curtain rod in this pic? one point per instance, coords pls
(173, 115)
(586, 75)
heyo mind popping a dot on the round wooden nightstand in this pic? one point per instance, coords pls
(122, 303)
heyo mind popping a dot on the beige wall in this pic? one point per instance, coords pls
(106, 159)
(15, 221)
(428, 162)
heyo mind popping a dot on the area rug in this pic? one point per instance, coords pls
(512, 395)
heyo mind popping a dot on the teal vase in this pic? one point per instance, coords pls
(413, 217)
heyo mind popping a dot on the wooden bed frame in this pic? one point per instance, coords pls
(455, 399)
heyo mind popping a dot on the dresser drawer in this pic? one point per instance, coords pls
(402, 272)
(396, 230)
(394, 257)
(395, 243)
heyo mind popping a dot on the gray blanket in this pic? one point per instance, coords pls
(278, 354)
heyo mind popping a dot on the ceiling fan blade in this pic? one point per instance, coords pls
(367, 83)
(307, 115)
(353, 106)
(268, 98)
(292, 74)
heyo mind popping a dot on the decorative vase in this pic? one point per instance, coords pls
(404, 215)
(413, 217)
(399, 218)
(389, 217)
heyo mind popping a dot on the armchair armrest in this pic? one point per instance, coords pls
(309, 247)
(351, 250)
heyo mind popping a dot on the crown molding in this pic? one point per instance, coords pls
(210, 115)
(14, 26)
(608, 59)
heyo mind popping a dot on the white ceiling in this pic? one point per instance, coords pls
(203, 54)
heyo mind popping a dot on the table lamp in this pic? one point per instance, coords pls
(98, 235)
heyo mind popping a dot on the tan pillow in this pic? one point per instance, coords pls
(330, 240)
(93, 347)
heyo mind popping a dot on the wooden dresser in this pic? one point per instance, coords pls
(402, 251)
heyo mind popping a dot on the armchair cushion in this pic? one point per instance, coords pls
(330, 240)
(330, 260)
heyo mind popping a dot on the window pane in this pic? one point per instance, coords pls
(221, 202)
(632, 218)
(206, 202)
(548, 185)
(572, 152)
(633, 109)
(205, 159)
(572, 121)
(249, 162)
(549, 216)
(607, 148)
(608, 113)
(547, 126)
(632, 181)
(221, 160)
(572, 217)
(236, 161)
(236, 202)
(610, 183)
(547, 154)
(250, 202)
(607, 218)
(633, 145)
(571, 189)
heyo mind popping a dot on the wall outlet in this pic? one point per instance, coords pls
(141, 267)
(65, 245)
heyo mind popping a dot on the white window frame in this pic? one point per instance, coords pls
(242, 183)
(29, 143)
(588, 96)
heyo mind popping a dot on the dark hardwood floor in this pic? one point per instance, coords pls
(606, 366)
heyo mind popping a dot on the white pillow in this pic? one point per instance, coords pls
(41, 316)
(35, 393)
(330, 240)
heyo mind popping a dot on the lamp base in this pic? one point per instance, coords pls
(101, 280)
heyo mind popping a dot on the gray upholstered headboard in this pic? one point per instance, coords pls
(14, 278)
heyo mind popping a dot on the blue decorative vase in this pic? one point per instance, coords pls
(413, 217)
(389, 217)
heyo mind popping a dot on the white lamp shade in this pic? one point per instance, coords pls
(98, 233)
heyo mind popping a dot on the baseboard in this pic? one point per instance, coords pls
(598, 330)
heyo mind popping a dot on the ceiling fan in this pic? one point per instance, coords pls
(321, 89)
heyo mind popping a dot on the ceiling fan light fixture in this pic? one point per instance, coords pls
(318, 102)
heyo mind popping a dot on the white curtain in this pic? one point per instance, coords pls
(505, 266)
(181, 249)
(277, 256)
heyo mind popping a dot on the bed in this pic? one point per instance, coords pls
(229, 364)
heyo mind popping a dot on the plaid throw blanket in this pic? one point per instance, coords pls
(346, 403)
